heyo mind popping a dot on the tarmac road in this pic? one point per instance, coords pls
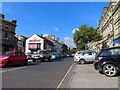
(36, 75)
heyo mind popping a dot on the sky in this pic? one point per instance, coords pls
(53, 18)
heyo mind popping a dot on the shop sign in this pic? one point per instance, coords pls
(35, 40)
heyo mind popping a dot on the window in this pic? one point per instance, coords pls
(105, 53)
(7, 26)
(0, 25)
(89, 53)
(18, 54)
(82, 54)
(6, 36)
(115, 52)
(110, 52)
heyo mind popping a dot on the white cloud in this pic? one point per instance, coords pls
(69, 41)
(73, 31)
(8, 10)
(56, 29)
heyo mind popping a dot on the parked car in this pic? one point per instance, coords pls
(84, 56)
(55, 56)
(73, 54)
(107, 61)
(29, 55)
(69, 54)
(13, 58)
(0, 54)
(42, 55)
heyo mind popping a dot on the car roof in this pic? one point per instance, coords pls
(87, 51)
(110, 48)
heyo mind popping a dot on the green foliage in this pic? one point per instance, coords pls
(74, 50)
(84, 35)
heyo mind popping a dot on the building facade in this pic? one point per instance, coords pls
(7, 34)
(37, 42)
(59, 46)
(109, 27)
(21, 42)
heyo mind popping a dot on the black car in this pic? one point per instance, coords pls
(107, 61)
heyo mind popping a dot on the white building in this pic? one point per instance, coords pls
(37, 42)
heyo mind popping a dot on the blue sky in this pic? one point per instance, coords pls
(56, 18)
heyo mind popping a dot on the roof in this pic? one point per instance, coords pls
(87, 51)
(45, 39)
(111, 48)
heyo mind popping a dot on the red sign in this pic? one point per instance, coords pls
(34, 40)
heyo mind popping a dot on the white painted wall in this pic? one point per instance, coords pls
(35, 36)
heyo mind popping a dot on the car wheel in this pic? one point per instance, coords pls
(82, 61)
(49, 59)
(43, 59)
(109, 70)
(34, 60)
(9, 64)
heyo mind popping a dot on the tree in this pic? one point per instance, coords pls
(85, 35)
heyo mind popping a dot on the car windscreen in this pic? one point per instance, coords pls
(8, 54)
(42, 52)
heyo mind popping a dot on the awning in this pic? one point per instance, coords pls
(116, 41)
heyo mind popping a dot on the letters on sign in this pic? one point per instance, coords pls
(35, 40)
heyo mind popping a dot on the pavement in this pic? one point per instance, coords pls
(85, 76)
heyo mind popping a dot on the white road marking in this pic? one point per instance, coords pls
(13, 69)
(65, 76)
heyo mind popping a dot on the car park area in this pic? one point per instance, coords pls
(85, 76)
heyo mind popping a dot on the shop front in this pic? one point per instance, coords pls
(34, 43)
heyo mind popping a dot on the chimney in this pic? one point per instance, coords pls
(53, 37)
(41, 35)
(14, 21)
(2, 16)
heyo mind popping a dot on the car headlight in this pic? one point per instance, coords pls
(0, 62)
(3, 58)
(41, 55)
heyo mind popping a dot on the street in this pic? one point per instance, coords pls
(52, 75)
(36, 75)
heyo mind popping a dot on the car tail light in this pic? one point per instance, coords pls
(98, 59)
(74, 57)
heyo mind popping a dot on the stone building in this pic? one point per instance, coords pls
(7, 34)
(59, 46)
(109, 27)
(21, 42)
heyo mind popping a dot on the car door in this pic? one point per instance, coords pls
(115, 54)
(89, 56)
(14, 58)
(19, 56)
(22, 57)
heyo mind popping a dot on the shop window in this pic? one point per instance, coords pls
(33, 46)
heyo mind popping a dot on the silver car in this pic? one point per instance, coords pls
(84, 56)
